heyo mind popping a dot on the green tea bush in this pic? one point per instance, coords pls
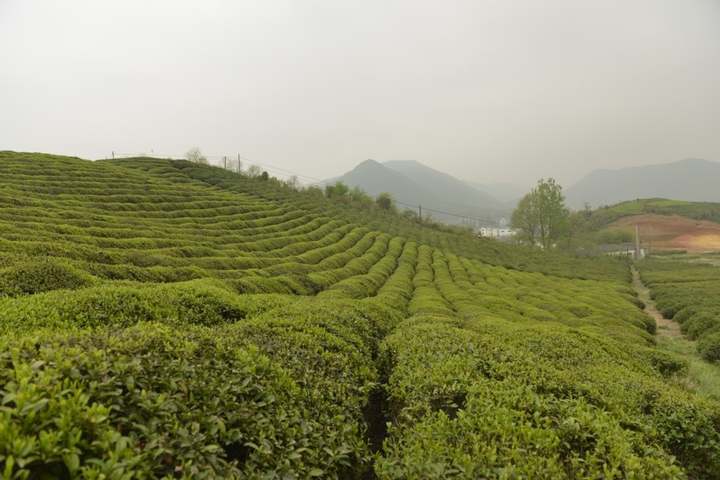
(152, 402)
(41, 275)
(232, 327)
(701, 323)
(709, 347)
(690, 294)
(197, 302)
(493, 400)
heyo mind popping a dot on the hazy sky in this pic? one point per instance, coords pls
(505, 90)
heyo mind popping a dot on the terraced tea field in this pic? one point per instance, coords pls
(688, 292)
(162, 319)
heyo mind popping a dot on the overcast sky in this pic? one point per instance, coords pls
(505, 90)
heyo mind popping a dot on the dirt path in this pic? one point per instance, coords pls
(665, 326)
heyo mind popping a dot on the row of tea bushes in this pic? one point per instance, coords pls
(491, 399)
(453, 241)
(164, 319)
(689, 293)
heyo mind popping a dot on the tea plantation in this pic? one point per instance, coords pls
(162, 319)
(689, 293)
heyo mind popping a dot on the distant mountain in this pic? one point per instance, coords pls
(375, 178)
(691, 179)
(413, 183)
(450, 189)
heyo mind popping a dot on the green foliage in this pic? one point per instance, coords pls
(709, 347)
(151, 402)
(541, 216)
(195, 302)
(604, 216)
(615, 236)
(41, 275)
(689, 293)
(385, 201)
(357, 195)
(195, 155)
(337, 190)
(200, 323)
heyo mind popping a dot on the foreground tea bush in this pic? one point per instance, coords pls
(471, 400)
(195, 302)
(152, 402)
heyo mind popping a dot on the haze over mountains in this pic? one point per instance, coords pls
(413, 183)
(691, 179)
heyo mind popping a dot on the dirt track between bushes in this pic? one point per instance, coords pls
(665, 326)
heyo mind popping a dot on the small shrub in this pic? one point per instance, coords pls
(41, 275)
(709, 347)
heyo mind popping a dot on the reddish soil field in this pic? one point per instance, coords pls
(673, 232)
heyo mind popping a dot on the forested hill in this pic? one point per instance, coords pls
(163, 319)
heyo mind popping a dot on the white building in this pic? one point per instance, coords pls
(494, 232)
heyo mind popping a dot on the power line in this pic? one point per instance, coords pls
(457, 215)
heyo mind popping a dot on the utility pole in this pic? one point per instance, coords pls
(420, 213)
(637, 242)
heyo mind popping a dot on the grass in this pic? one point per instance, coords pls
(702, 377)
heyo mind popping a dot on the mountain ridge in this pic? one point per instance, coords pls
(689, 179)
(413, 183)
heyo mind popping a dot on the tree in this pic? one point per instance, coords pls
(385, 201)
(541, 215)
(525, 219)
(410, 215)
(254, 171)
(265, 176)
(338, 190)
(293, 182)
(358, 195)
(195, 155)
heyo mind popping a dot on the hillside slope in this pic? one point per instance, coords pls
(690, 179)
(413, 183)
(374, 178)
(162, 319)
(447, 187)
(657, 206)
(663, 224)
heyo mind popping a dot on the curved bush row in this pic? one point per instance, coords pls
(151, 401)
(200, 302)
(600, 306)
(126, 237)
(398, 289)
(489, 399)
(540, 370)
(689, 294)
(459, 243)
(367, 284)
